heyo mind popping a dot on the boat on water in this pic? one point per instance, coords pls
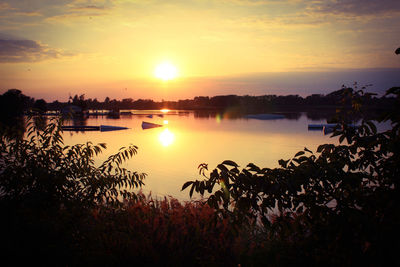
(149, 125)
(101, 128)
(107, 128)
(320, 127)
(332, 126)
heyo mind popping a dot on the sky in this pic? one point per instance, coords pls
(52, 49)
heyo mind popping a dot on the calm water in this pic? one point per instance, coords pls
(171, 154)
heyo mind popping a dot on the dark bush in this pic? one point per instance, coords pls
(48, 190)
(337, 207)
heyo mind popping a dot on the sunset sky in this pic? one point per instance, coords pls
(55, 48)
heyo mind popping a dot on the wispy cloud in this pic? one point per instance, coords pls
(358, 7)
(14, 50)
(91, 7)
(53, 8)
(5, 7)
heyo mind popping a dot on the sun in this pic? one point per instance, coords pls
(165, 71)
(166, 137)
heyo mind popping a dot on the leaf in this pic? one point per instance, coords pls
(186, 185)
(393, 90)
(299, 154)
(201, 188)
(306, 149)
(253, 167)
(230, 163)
(202, 168)
(372, 126)
(222, 168)
(191, 191)
(283, 163)
(321, 148)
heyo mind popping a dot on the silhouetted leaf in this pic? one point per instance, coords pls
(306, 149)
(230, 163)
(191, 190)
(299, 154)
(321, 148)
(222, 168)
(186, 185)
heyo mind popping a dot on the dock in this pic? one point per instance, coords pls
(101, 128)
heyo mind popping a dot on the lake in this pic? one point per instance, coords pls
(171, 154)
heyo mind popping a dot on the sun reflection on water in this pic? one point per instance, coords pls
(166, 137)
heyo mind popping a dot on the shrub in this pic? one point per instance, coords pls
(47, 190)
(339, 206)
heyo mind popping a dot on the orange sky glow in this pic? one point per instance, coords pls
(55, 48)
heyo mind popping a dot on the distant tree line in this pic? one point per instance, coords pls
(13, 102)
(245, 103)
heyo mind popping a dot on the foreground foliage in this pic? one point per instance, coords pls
(59, 209)
(161, 233)
(41, 168)
(47, 190)
(338, 206)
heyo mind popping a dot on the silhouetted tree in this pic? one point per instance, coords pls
(13, 104)
(40, 105)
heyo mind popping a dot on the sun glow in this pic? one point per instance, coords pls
(165, 71)
(166, 137)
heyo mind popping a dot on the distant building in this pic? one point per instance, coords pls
(71, 110)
